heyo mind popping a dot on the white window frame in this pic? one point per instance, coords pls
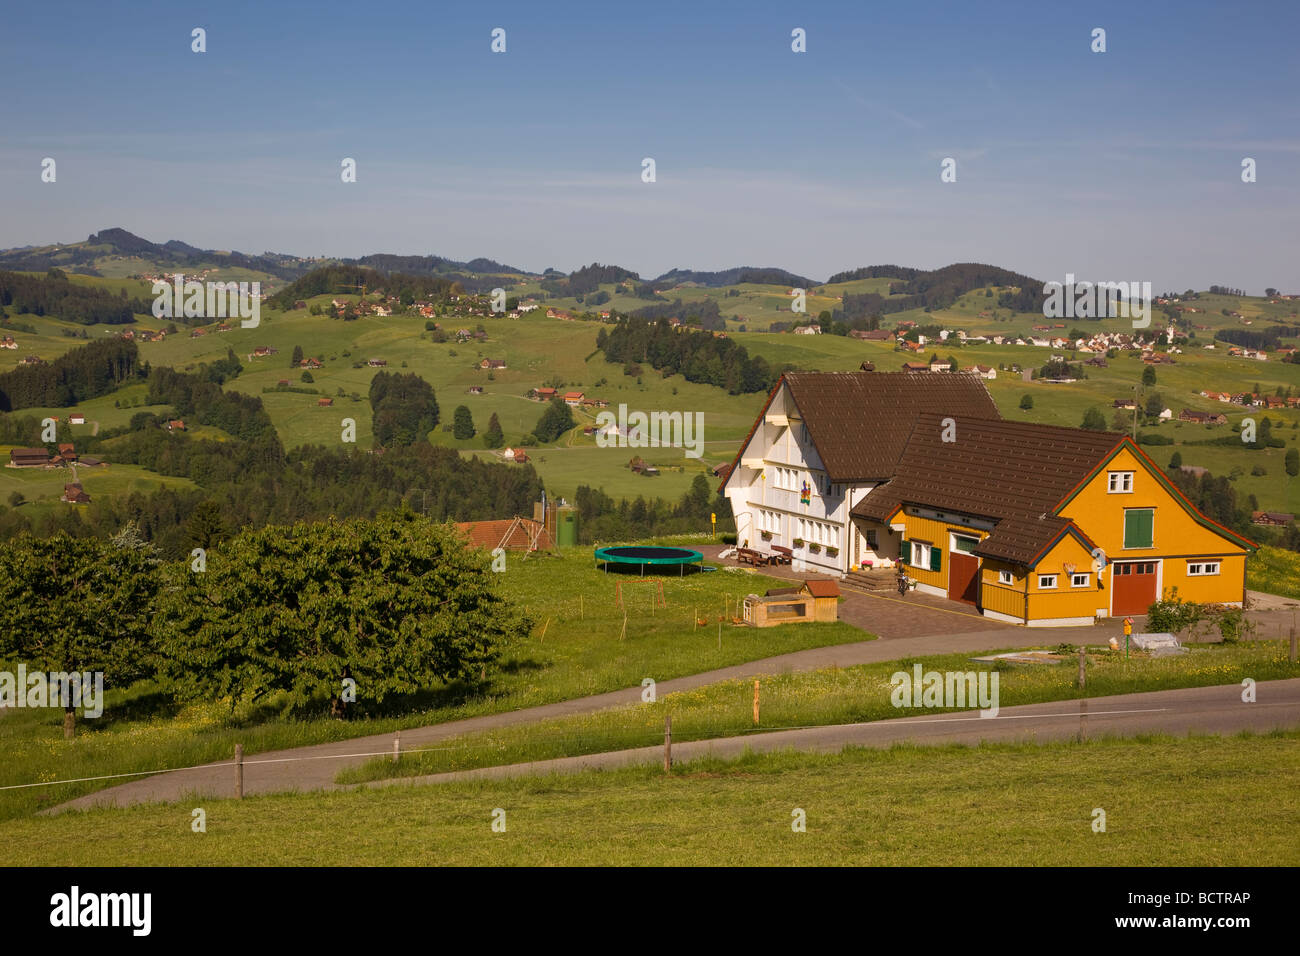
(1202, 569)
(1086, 581)
(1006, 577)
(923, 550)
(1125, 483)
(1047, 587)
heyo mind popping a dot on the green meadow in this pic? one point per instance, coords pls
(992, 805)
(538, 351)
(582, 642)
(832, 696)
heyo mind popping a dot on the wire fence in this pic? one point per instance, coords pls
(577, 743)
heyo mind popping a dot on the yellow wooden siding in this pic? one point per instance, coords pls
(1101, 516)
(1065, 600)
(933, 532)
(1177, 535)
(1226, 587)
(1003, 598)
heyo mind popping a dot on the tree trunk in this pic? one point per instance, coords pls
(69, 722)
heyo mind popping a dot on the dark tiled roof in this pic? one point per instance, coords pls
(1013, 472)
(860, 421)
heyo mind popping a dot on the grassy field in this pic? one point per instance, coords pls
(838, 696)
(42, 487)
(1198, 801)
(1274, 571)
(538, 350)
(577, 648)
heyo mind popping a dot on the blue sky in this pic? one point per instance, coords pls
(1116, 166)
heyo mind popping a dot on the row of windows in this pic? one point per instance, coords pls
(786, 479)
(769, 521)
(1124, 569)
(818, 532)
(792, 479)
(1047, 582)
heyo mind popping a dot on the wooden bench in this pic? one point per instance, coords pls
(750, 556)
(783, 555)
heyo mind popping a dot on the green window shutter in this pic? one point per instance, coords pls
(936, 558)
(1139, 528)
(904, 551)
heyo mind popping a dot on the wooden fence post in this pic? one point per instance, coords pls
(755, 703)
(397, 745)
(1293, 644)
(668, 743)
(1083, 675)
(239, 771)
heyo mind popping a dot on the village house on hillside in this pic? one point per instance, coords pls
(1202, 418)
(1274, 519)
(880, 468)
(74, 494)
(492, 363)
(28, 458)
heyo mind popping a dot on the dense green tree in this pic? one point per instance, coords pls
(494, 437)
(462, 423)
(1292, 462)
(398, 604)
(404, 407)
(1176, 461)
(1149, 375)
(86, 372)
(296, 360)
(77, 604)
(1026, 401)
(1094, 420)
(206, 529)
(555, 421)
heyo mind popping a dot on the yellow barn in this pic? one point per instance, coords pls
(1042, 525)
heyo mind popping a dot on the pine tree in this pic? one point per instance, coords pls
(494, 437)
(462, 423)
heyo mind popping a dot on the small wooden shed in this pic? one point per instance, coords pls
(826, 599)
(812, 601)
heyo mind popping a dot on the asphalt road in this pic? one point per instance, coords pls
(1204, 710)
(1215, 710)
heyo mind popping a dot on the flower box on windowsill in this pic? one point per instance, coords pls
(832, 552)
(815, 548)
(765, 535)
(797, 542)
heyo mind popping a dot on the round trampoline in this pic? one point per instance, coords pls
(649, 557)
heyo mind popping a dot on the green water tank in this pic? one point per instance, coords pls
(566, 527)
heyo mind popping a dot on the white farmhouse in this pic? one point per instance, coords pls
(820, 445)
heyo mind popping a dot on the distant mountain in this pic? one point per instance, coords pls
(88, 258)
(431, 265)
(735, 276)
(91, 256)
(875, 272)
(937, 289)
